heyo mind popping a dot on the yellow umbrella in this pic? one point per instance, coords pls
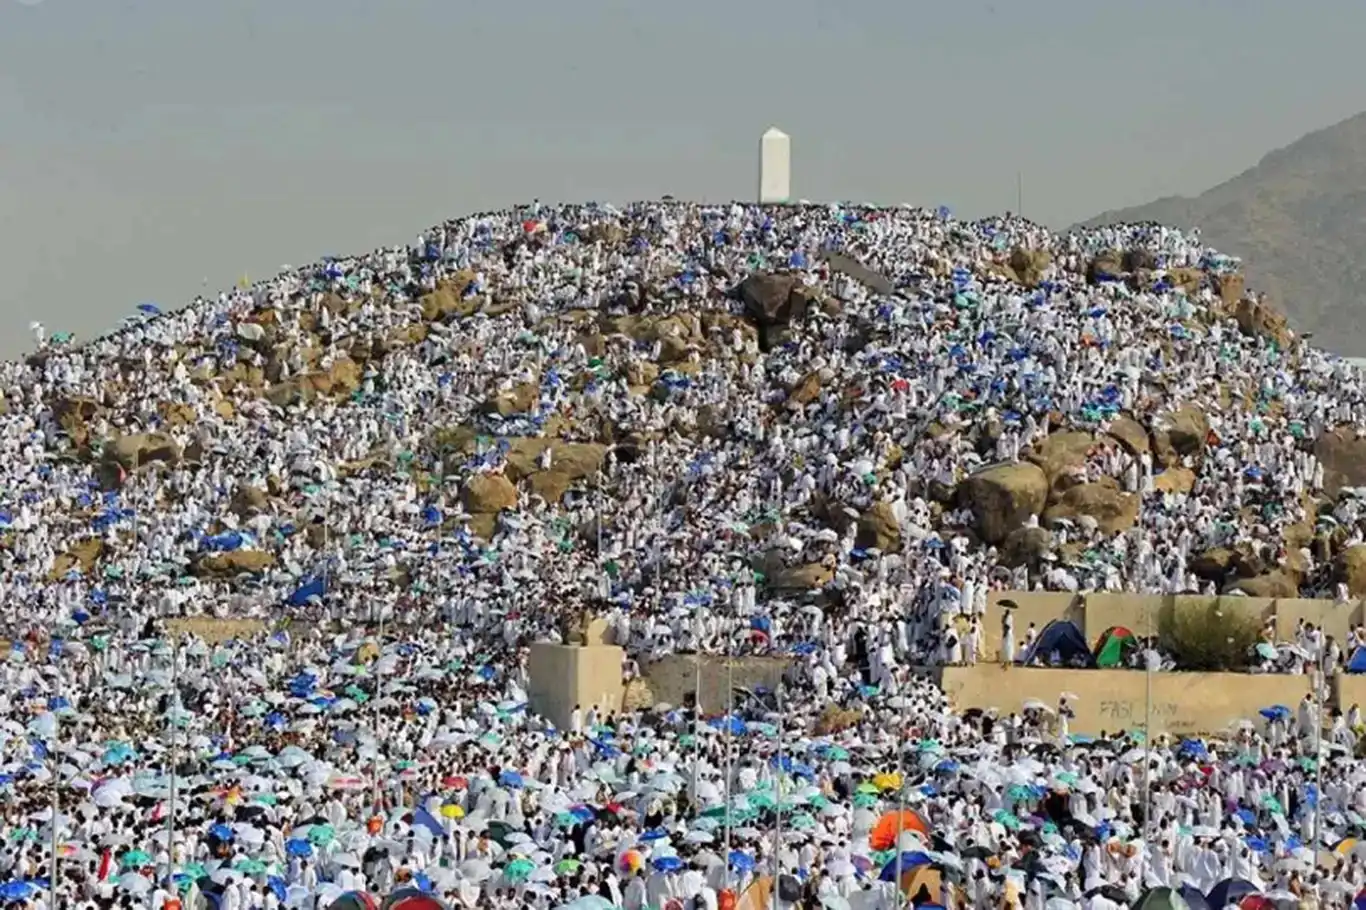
(451, 810)
(887, 781)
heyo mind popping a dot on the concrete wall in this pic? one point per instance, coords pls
(676, 677)
(1143, 614)
(1110, 700)
(562, 676)
(1349, 689)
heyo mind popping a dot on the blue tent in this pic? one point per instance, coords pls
(1358, 662)
(1063, 638)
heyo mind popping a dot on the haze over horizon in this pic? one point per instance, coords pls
(150, 150)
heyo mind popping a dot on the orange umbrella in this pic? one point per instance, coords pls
(888, 829)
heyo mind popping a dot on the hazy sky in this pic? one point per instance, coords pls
(147, 146)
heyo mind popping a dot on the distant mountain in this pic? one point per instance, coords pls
(1298, 221)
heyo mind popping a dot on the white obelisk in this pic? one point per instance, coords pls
(775, 166)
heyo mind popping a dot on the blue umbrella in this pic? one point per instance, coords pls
(150, 308)
(741, 861)
(909, 860)
(667, 863)
(17, 890)
(511, 779)
(1275, 712)
(298, 847)
(221, 831)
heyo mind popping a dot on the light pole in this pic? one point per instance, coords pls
(730, 720)
(174, 701)
(379, 689)
(778, 807)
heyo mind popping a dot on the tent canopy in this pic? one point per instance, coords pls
(1114, 645)
(1061, 644)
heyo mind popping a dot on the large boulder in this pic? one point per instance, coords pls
(1350, 569)
(489, 493)
(1112, 509)
(1003, 497)
(1185, 433)
(1106, 266)
(519, 399)
(1138, 260)
(137, 449)
(1026, 547)
(807, 390)
(569, 462)
(1343, 456)
(1229, 287)
(801, 578)
(248, 501)
(879, 528)
(1130, 434)
(233, 563)
(342, 378)
(1271, 584)
(1215, 564)
(1261, 320)
(1060, 452)
(1174, 480)
(772, 303)
(82, 555)
(1028, 266)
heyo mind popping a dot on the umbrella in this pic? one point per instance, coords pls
(354, 900)
(888, 828)
(1230, 891)
(412, 899)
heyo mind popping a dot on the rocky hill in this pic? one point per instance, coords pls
(670, 404)
(1298, 219)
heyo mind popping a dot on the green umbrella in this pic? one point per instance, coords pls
(321, 835)
(134, 859)
(838, 753)
(519, 870)
(250, 866)
(802, 821)
(567, 866)
(864, 801)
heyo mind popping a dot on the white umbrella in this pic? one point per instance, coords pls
(134, 883)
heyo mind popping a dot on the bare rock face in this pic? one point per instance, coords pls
(1175, 480)
(82, 555)
(772, 303)
(1025, 547)
(234, 563)
(489, 493)
(1186, 433)
(520, 399)
(1003, 497)
(1343, 456)
(1350, 569)
(138, 449)
(1261, 320)
(801, 578)
(879, 528)
(1277, 583)
(1061, 452)
(1112, 509)
(1130, 434)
